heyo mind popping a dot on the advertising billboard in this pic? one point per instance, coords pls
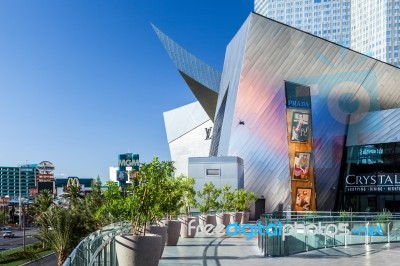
(128, 160)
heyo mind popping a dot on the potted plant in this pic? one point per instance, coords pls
(251, 197)
(163, 173)
(239, 205)
(385, 221)
(188, 200)
(208, 201)
(142, 248)
(226, 205)
(171, 204)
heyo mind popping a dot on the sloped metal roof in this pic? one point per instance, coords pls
(201, 78)
(181, 120)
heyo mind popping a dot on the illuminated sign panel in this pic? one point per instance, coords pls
(297, 96)
(382, 182)
(128, 160)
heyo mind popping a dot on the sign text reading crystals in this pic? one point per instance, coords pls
(372, 183)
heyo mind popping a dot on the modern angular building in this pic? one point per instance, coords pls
(367, 26)
(189, 132)
(314, 122)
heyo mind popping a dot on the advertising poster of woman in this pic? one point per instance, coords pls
(300, 127)
(301, 168)
(303, 199)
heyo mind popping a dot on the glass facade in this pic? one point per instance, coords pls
(327, 19)
(378, 33)
(367, 26)
(372, 178)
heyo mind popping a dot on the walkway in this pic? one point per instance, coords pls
(237, 251)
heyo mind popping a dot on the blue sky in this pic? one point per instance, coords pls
(84, 80)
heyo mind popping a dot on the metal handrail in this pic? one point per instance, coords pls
(93, 241)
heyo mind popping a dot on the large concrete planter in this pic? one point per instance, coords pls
(245, 217)
(207, 219)
(212, 219)
(135, 250)
(185, 232)
(236, 217)
(173, 232)
(223, 218)
(159, 230)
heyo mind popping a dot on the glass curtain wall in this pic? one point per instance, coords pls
(372, 178)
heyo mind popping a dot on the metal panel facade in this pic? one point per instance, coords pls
(189, 134)
(376, 127)
(342, 82)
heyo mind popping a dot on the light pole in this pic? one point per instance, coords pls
(6, 210)
(3, 208)
(20, 192)
(19, 198)
(23, 227)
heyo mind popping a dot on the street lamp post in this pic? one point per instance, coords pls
(23, 227)
(3, 208)
(19, 198)
(6, 210)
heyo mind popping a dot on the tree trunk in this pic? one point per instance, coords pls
(61, 257)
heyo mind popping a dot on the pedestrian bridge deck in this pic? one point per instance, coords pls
(210, 251)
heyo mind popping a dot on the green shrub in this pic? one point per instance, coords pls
(16, 254)
(384, 217)
(344, 216)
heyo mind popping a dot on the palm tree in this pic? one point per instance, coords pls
(61, 229)
(73, 195)
(44, 200)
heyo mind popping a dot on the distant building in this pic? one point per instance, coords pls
(327, 19)
(367, 26)
(375, 27)
(126, 163)
(62, 184)
(16, 181)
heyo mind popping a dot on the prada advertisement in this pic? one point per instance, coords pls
(372, 183)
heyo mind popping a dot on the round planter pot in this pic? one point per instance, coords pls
(185, 232)
(134, 250)
(203, 220)
(211, 219)
(223, 218)
(173, 232)
(245, 217)
(159, 230)
(236, 217)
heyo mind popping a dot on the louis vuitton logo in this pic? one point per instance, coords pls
(208, 133)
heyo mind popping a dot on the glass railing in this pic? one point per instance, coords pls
(99, 247)
(287, 233)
